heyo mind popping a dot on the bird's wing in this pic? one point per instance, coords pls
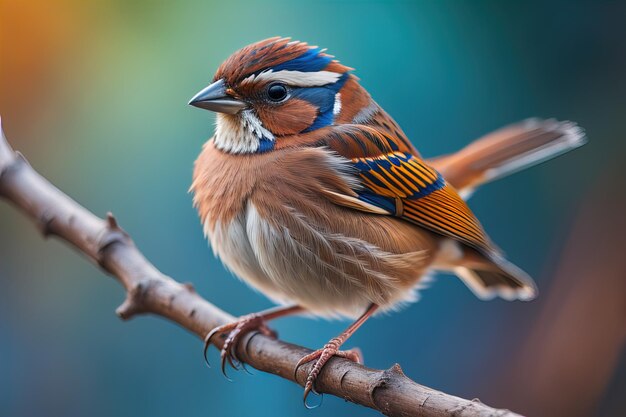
(395, 181)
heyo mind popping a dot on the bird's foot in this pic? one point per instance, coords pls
(321, 356)
(234, 332)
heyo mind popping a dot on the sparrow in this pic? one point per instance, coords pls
(313, 195)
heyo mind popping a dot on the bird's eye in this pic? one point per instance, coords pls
(277, 92)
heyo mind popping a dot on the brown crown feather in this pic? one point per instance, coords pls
(265, 54)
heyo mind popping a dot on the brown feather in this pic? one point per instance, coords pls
(289, 118)
(353, 99)
(444, 212)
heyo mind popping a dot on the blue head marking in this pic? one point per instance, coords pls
(311, 61)
(323, 98)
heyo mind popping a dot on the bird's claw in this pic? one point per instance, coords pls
(234, 332)
(321, 356)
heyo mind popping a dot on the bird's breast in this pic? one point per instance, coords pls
(222, 185)
(222, 182)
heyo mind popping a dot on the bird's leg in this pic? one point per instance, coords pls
(331, 349)
(236, 330)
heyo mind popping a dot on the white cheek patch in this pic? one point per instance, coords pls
(254, 125)
(296, 78)
(242, 135)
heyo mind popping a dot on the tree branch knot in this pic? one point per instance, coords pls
(135, 298)
(111, 234)
(386, 378)
(11, 163)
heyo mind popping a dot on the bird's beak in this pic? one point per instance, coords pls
(214, 98)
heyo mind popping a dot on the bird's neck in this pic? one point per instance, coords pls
(355, 103)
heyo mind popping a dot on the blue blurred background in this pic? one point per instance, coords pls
(94, 94)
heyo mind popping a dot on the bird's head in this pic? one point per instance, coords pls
(271, 89)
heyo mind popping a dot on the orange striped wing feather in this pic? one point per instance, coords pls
(402, 184)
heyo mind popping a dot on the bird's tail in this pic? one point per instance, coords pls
(508, 150)
(496, 277)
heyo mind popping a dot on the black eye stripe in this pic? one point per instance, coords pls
(277, 92)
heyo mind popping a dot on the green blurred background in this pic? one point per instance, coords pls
(94, 94)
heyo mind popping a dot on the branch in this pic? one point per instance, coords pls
(150, 291)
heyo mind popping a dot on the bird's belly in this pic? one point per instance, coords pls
(327, 273)
(244, 246)
(231, 245)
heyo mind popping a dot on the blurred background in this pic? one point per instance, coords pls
(94, 94)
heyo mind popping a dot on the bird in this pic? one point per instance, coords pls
(313, 195)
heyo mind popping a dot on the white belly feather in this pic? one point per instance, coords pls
(351, 275)
(231, 244)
